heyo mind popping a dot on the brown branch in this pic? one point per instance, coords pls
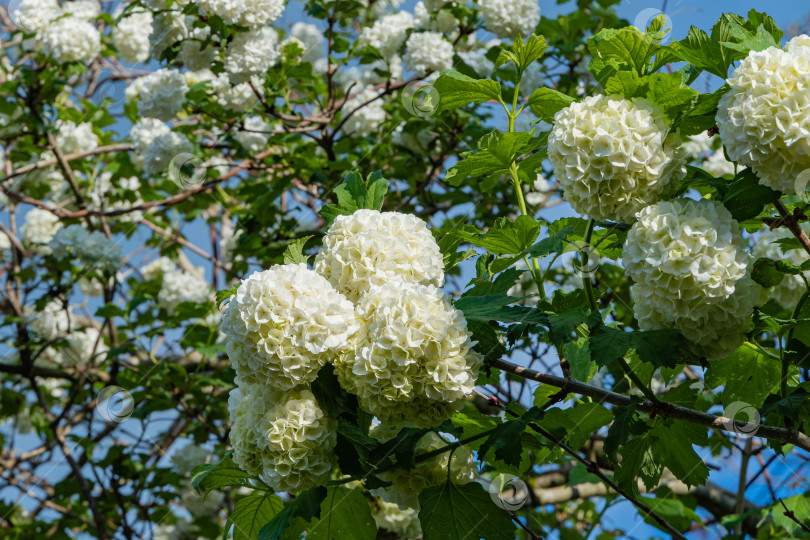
(789, 436)
(792, 223)
(791, 515)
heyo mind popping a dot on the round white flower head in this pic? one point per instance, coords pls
(52, 321)
(237, 98)
(311, 38)
(764, 119)
(84, 348)
(284, 324)
(195, 52)
(404, 523)
(251, 13)
(415, 361)
(372, 248)
(185, 459)
(168, 27)
(612, 156)
(251, 53)
(508, 18)
(387, 34)
(368, 117)
(34, 15)
(698, 146)
(426, 52)
(407, 484)
(717, 164)
(163, 149)
(131, 35)
(162, 94)
(104, 197)
(251, 137)
(690, 268)
(443, 22)
(144, 131)
(788, 292)
(70, 39)
(157, 268)
(82, 9)
(93, 249)
(73, 138)
(284, 437)
(38, 229)
(477, 59)
(180, 286)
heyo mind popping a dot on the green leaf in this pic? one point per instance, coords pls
(505, 237)
(294, 254)
(305, 505)
(506, 440)
(608, 344)
(457, 90)
(638, 460)
(497, 308)
(799, 505)
(354, 194)
(661, 348)
(219, 475)
(496, 152)
(625, 424)
(345, 515)
(747, 374)
(577, 423)
(452, 512)
(251, 513)
(746, 197)
(664, 89)
(545, 102)
(523, 53)
(706, 52)
(626, 47)
(674, 440)
(766, 273)
(354, 450)
(578, 356)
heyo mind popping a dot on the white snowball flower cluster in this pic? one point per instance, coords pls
(612, 156)
(131, 35)
(71, 39)
(251, 53)
(443, 22)
(426, 52)
(718, 165)
(34, 15)
(162, 94)
(72, 138)
(284, 324)
(103, 189)
(199, 504)
(284, 437)
(92, 248)
(157, 268)
(180, 286)
(54, 320)
(691, 272)
(373, 248)
(368, 116)
(168, 27)
(237, 98)
(251, 13)
(251, 137)
(38, 229)
(415, 362)
(478, 61)
(195, 51)
(508, 18)
(156, 145)
(764, 119)
(407, 484)
(788, 292)
(387, 34)
(404, 523)
(84, 348)
(82, 9)
(697, 146)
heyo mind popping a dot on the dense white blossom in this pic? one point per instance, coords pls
(368, 115)
(103, 189)
(284, 324)
(144, 131)
(612, 156)
(168, 27)
(312, 39)
(478, 61)
(284, 437)
(764, 118)
(83, 348)
(196, 52)
(52, 321)
(92, 248)
(251, 13)
(426, 52)
(239, 97)
(131, 35)
(788, 292)
(415, 361)
(250, 136)
(38, 229)
(180, 286)
(373, 248)
(444, 22)
(73, 138)
(508, 18)
(402, 522)
(157, 268)
(698, 146)
(162, 94)
(71, 39)
(82, 9)
(34, 15)
(718, 165)
(251, 53)
(408, 484)
(691, 272)
(387, 34)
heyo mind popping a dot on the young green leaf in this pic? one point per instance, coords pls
(457, 90)
(453, 512)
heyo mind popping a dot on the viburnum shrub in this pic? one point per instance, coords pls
(350, 269)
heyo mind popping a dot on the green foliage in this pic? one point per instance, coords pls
(353, 194)
(344, 515)
(457, 90)
(452, 512)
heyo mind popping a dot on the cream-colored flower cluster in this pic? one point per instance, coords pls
(691, 272)
(508, 18)
(612, 156)
(764, 119)
(283, 437)
(788, 292)
(371, 248)
(251, 13)
(408, 484)
(402, 522)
